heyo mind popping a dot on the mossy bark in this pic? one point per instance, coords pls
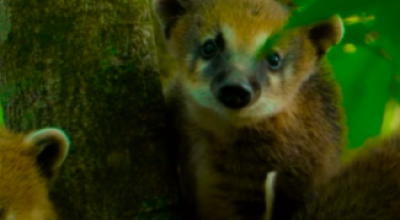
(88, 66)
(5, 26)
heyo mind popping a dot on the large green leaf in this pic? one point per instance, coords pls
(315, 10)
(365, 81)
(367, 72)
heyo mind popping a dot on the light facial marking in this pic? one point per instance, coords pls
(11, 216)
(266, 106)
(201, 66)
(271, 107)
(259, 41)
(202, 95)
(274, 80)
(288, 72)
(228, 34)
(189, 58)
(241, 66)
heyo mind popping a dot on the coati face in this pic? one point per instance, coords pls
(27, 165)
(235, 57)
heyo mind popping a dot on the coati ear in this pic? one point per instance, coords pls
(168, 11)
(326, 33)
(51, 146)
(269, 187)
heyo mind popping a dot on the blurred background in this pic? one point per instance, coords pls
(366, 62)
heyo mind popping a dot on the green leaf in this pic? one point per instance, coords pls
(321, 9)
(366, 86)
(391, 120)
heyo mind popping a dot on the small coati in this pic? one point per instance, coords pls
(366, 188)
(28, 164)
(250, 96)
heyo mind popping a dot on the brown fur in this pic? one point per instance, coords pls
(27, 164)
(166, 63)
(296, 129)
(367, 188)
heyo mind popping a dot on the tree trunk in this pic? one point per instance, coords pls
(89, 67)
(5, 26)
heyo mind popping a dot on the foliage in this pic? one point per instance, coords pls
(366, 62)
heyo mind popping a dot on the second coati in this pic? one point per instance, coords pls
(29, 162)
(249, 97)
(366, 188)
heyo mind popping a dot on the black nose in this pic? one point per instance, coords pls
(234, 96)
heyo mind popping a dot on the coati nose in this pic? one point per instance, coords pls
(234, 96)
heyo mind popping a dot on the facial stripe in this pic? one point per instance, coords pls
(220, 42)
(274, 80)
(288, 72)
(202, 66)
(229, 35)
(259, 41)
(191, 61)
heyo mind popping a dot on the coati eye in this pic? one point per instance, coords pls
(274, 61)
(208, 49)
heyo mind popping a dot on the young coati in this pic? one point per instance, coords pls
(28, 162)
(367, 188)
(249, 97)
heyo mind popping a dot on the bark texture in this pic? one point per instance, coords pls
(89, 67)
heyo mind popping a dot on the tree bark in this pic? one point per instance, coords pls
(89, 67)
(5, 26)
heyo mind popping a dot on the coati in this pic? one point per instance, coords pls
(366, 188)
(250, 96)
(28, 163)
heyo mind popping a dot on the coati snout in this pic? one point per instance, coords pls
(235, 91)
